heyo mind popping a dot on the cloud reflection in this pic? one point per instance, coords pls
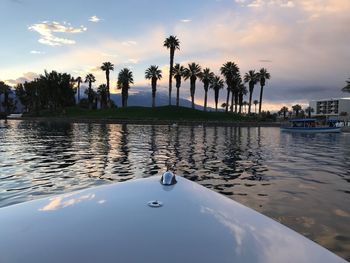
(65, 201)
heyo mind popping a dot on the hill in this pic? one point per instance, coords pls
(144, 99)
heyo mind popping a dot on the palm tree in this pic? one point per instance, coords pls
(309, 110)
(171, 43)
(90, 79)
(347, 87)
(251, 78)
(6, 90)
(236, 87)
(2, 89)
(229, 70)
(296, 108)
(125, 78)
(94, 98)
(107, 67)
(255, 102)
(78, 80)
(178, 72)
(284, 110)
(263, 75)
(102, 94)
(242, 90)
(205, 76)
(192, 72)
(216, 84)
(153, 73)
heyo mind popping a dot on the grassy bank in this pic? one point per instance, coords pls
(160, 115)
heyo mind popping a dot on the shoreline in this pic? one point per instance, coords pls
(153, 122)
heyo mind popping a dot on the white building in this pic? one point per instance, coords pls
(330, 107)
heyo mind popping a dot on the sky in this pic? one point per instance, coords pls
(304, 44)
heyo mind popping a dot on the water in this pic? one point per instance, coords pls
(301, 180)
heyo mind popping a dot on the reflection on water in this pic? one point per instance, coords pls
(65, 201)
(301, 180)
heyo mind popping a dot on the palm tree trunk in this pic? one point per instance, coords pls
(172, 52)
(240, 102)
(6, 98)
(108, 95)
(232, 101)
(236, 101)
(78, 93)
(227, 98)
(261, 95)
(90, 96)
(177, 96)
(154, 95)
(205, 100)
(193, 88)
(123, 98)
(250, 101)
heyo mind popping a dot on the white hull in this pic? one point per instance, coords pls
(115, 223)
(312, 130)
(14, 116)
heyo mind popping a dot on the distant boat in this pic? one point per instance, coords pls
(14, 116)
(148, 221)
(309, 126)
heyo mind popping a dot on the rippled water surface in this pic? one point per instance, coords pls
(301, 180)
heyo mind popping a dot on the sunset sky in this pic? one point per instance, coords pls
(304, 44)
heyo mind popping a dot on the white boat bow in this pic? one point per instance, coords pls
(145, 221)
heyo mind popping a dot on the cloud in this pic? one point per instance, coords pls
(299, 56)
(129, 43)
(185, 20)
(94, 19)
(265, 60)
(256, 3)
(36, 52)
(289, 4)
(109, 55)
(133, 60)
(266, 3)
(28, 76)
(47, 29)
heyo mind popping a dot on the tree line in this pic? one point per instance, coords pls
(231, 76)
(54, 91)
(296, 110)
